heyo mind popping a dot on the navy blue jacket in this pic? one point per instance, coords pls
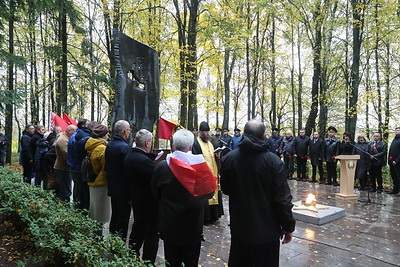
(115, 154)
(274, 143)
(42, 147)
(76, 149)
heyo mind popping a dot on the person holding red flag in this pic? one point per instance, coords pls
(182, 184)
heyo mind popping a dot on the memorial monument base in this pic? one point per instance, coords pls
(324, 214)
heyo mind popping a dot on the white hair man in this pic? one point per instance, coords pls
(139, 166)
(181, 184)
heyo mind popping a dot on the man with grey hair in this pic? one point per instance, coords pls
(259, 200)
(116, 151)
(139, 165)
(182, 184)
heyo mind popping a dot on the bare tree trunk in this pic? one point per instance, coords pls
(228, 69)
(358, 7)
(292, 82)
(9, 106)
(248, 74)
(387, 94)
(273, 75)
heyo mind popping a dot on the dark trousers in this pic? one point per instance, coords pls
(176, 255)
(320, 170)
(302, 167)
(81, 194)
(331, 171)
(244, 254)
(375, 174)
(64, 180)
(289, 164)
(28, 170)
(120, 213)
(2, 157)
(144, 231)
(395, 172)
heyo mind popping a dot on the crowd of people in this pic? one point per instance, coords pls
(174, 198)
(296, 151)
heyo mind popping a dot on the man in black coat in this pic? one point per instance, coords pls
(317, 147)
(394, 162)
(300, 145)
(139, 165)
(259, 200)
(181, 208)
(115, 153)
(39, 132)
(25, 152)
(378, 151)
(274, 141)
(3, 143)
(331, 151)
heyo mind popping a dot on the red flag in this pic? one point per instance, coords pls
(192, 172)
(55, 120)
(69, 120)
(165, 128)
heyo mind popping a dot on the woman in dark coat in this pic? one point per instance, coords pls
(347, 145)
(362, 148)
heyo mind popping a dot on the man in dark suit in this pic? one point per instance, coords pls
(394, 162)
(317, 147)
(116, 151)
(331, 151)
(259, 200)
(378, 151)
(300, 145)
(139, 165)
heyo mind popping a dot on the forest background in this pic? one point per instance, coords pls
(291, 63)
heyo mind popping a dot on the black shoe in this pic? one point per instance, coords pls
(372, 190)
(298, 179)
(328, 183)
(393, 192)
(397, 195)
(335, 184)
(379, 190)
(321, 182)
(312, 181)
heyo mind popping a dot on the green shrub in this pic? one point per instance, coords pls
(60, 234)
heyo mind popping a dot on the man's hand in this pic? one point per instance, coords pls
(295, 155)
(286, 237)
(394, 163)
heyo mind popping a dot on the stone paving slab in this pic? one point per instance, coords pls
(366, 236)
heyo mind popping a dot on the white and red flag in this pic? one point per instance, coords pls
(192, 172)
(55, 120)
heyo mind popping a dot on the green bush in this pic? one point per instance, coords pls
(60, 234)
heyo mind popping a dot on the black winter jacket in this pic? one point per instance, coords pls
(274, 143)
(286, 147)
(26, 154)
(259, 196)
(115, 154)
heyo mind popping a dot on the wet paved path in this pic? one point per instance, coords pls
(366, 236)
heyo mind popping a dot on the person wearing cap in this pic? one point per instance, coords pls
(100, 202)
(139, 165)
(203, 146)
(274, 141)
(331, 151)
(225, 140)
(236, 139)
(61, 169)
(286, 151)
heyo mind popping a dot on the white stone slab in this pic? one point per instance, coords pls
(328, 214)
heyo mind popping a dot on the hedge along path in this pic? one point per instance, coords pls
(61, 235)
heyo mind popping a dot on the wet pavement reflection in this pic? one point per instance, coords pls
(367, 236)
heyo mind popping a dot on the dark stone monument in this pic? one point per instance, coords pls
(137, 92)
